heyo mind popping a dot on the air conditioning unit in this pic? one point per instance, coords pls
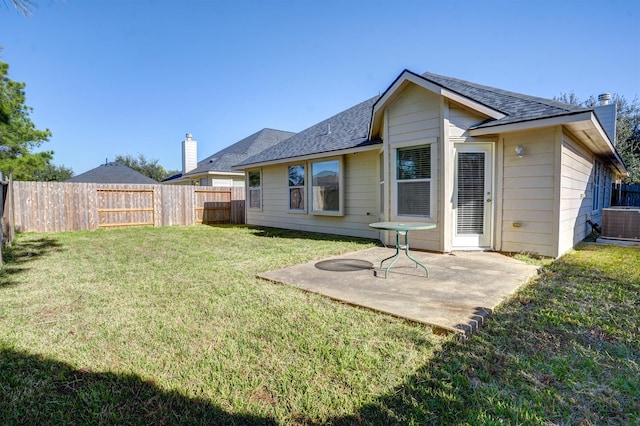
(621, 223)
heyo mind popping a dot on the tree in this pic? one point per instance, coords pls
(53, 173)
(149, 168)
(627, 130)
(18, 135)
(24, 6)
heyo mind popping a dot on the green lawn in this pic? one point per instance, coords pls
(170, 326)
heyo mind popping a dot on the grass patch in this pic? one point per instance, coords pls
(564, 350)
(170, 326)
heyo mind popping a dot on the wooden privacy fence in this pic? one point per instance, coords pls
(625, 195)
(67, 206)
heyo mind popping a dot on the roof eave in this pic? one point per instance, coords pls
(612, 151)
(529, 124)
(584, 125)
(211, 172)
(314, 156)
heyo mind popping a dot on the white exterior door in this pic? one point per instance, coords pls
(473, 196)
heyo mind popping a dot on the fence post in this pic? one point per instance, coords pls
(12, 222)
(2, 198)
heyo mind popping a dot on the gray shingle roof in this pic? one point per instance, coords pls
(348, 129)
(222, 161)
(112, 173)
(516, 106)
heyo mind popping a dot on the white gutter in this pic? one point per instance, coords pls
(531, 124)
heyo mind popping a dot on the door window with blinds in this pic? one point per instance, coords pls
(470, 198)
(414, 183)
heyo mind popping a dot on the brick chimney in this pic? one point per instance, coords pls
(189, 154)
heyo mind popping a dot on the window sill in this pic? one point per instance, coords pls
(420, 218)
(318, 213)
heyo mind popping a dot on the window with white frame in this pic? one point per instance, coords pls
(296, 178)
(326, 187)
(597, 182)
(254, 190)
(414, 181)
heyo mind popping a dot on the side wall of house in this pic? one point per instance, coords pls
(415, 118)
(360, 197)
(528, 192)
(576, 199)
(580, 167)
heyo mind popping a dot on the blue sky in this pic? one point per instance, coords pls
(111, 77)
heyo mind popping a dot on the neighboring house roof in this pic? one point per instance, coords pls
(351, 128)
(172, 177)
(112, 173)
(223, 160)
(348, 129)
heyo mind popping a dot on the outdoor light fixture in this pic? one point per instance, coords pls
(519, 151)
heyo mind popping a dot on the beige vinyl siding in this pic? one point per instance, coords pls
(415, 117)
(528, 193)
(460, 119)
(575, 194)
(360, 197)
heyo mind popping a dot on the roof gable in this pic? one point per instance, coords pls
(406, 78)
(500, 106)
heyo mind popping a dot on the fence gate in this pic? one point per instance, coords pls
(118, 207)
(213, 206)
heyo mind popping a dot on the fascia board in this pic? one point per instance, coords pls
(388, 95)
(531, 124)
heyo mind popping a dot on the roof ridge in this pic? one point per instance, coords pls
(275, 130)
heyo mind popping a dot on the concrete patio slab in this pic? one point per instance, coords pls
(462, 289)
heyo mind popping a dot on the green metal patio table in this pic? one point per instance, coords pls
(402, 230)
